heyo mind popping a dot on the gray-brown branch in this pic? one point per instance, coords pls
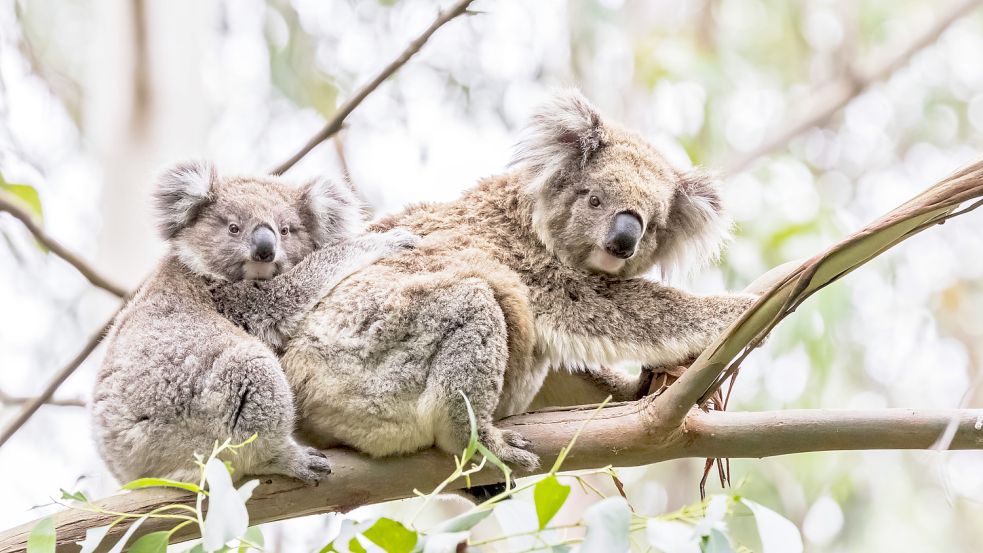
(93, 276)
(624, 435)
(335, 124)
(832, 98)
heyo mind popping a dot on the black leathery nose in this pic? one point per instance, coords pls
(263, 242)
(624, 235)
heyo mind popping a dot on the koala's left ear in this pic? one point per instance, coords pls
(330, 211)
(697, 226)
(565, 132)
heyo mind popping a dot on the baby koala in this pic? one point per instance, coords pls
(177, 375)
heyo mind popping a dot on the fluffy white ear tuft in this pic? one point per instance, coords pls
(181, 192)
(566, 130)
(697, 226)
(330, 211)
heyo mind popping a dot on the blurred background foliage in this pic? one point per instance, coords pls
(96, 96)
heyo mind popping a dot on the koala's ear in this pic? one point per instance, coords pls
(566, 131)
(697, 225)
(182, 191)
(330, 211)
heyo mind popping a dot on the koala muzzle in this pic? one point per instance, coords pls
(624, 235)
(263, 244)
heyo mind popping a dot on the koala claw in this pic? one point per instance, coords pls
(515, 439)
(311, 466)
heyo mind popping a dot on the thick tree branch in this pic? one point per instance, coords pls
(93, 276)
(935, 205)
(334, 125)
(623, 435)
(832, 98)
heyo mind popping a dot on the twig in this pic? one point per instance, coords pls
(56, 248)
(848, 87)
(7, 399)
(335, 124)
(30, 408)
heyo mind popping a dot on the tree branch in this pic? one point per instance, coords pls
(623, 435)
(7, 399)
(931, 207)
(32, 406)
(334, 125)
(98, 280)
(834, 97)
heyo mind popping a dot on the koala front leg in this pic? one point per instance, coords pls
(272, 309)
(596, 323)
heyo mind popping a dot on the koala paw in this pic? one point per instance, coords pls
(510, 447)
(399, 239)
(311, 465)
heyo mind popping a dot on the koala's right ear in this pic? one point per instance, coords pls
(567, 131)
(182, 191)
(330, 212)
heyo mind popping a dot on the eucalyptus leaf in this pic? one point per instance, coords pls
(254, 536)
(42, 538)
(717, 542)
(671, 536)
(463, 521)
(25, 194)
(227, 518)
(118, 548)
(444, 543)
(778, 534)
(391, 536)
(73, 496)
(93, 537)
(549, 495)
(154, 542)
(161, 483)
(608, 523)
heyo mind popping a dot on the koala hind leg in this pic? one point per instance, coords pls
(471, 359)
(248, 392)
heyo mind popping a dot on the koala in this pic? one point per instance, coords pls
(178, 375)
(536, 268)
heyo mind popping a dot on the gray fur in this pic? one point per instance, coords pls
(177, 375)
(507, 282)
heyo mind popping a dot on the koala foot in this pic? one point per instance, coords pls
(510, 447)
(309, 465)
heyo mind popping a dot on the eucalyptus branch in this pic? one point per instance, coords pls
(337, 120)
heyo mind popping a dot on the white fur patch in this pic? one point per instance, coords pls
(255, 270)
(564, 349)
(602, 261)
(193, 260)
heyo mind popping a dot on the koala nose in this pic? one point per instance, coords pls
(624, 235)
(263, 244)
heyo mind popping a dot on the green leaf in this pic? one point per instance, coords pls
(355, 547)
(254, 537)
(93, 537)
(778, 534)
(42, 538)
(498, 463)
(154, 542)
(199, 548)
(25, 193)
(716, 542)
(161, 483)
(549, 495)
(73, 496)
(391, 536)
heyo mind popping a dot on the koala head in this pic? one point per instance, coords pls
(606, 201)
(249, 227)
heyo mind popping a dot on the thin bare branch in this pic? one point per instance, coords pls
(935, 205)
(92, 275)
(338, 119)
(31, 407)
(832, 98)
(622, 435)
(7, 399)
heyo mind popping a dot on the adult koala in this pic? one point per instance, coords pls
(531, 269)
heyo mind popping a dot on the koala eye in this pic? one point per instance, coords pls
(234, 228)
(594, 201)
(284, 231)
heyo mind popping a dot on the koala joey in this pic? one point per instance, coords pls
(177, 375)
(539, 267)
